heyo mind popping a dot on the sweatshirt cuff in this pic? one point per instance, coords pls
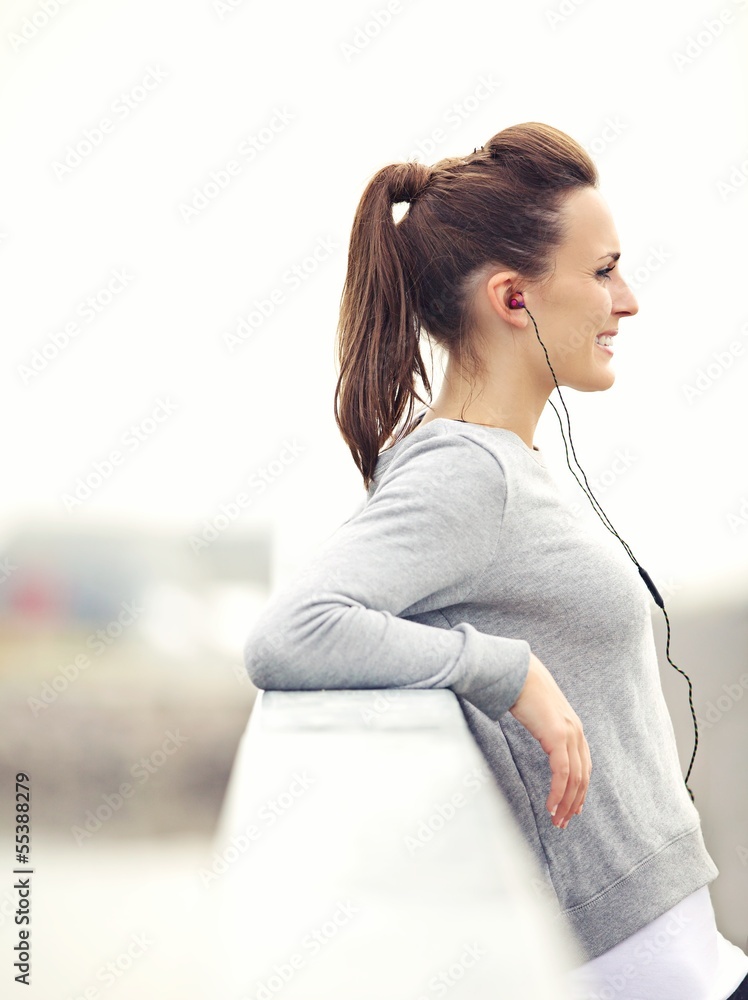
(499, 670)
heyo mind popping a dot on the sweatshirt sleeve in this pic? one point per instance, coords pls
(421, 543)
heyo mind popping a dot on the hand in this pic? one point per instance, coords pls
(545, 713)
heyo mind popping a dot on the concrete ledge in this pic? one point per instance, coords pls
(364, 852)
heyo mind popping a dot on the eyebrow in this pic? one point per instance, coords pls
(615, 256)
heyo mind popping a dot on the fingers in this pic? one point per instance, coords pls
(579, 797)
(560, 759)
(574, 780)
(571, 766)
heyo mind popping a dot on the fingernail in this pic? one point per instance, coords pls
(553, 811)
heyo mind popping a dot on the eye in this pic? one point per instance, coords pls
(604, 272)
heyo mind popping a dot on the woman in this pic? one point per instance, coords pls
(466, 569)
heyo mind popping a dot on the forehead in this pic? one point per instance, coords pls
(590, 227)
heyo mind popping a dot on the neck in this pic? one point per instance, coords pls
(503, 398)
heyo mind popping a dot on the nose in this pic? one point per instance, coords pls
(624, 300)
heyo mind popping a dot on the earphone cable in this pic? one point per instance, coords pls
(608, 524)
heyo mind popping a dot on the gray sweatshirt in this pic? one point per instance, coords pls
(462, 559)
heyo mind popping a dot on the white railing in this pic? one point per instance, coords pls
(364, 852)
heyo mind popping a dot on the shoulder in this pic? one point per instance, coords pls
(440, 460)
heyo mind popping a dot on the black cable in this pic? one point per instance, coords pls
(606, 521)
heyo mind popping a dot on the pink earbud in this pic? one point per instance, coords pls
(517, 301)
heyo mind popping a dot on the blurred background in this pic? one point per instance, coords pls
(179, 182)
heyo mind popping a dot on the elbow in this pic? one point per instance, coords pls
(268, 659)
(296, 647)
(284, 648)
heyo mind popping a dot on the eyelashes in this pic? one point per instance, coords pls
(604, 272)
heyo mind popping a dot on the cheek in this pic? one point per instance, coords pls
(587, 306)
(574, 339)
(572, 320)
(598, 313)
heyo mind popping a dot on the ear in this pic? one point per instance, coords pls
(500, 287)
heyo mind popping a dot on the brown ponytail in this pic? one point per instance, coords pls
(498, 207)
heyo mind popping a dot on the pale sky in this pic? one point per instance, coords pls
(170, 167)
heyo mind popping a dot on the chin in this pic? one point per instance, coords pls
(596, 382)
